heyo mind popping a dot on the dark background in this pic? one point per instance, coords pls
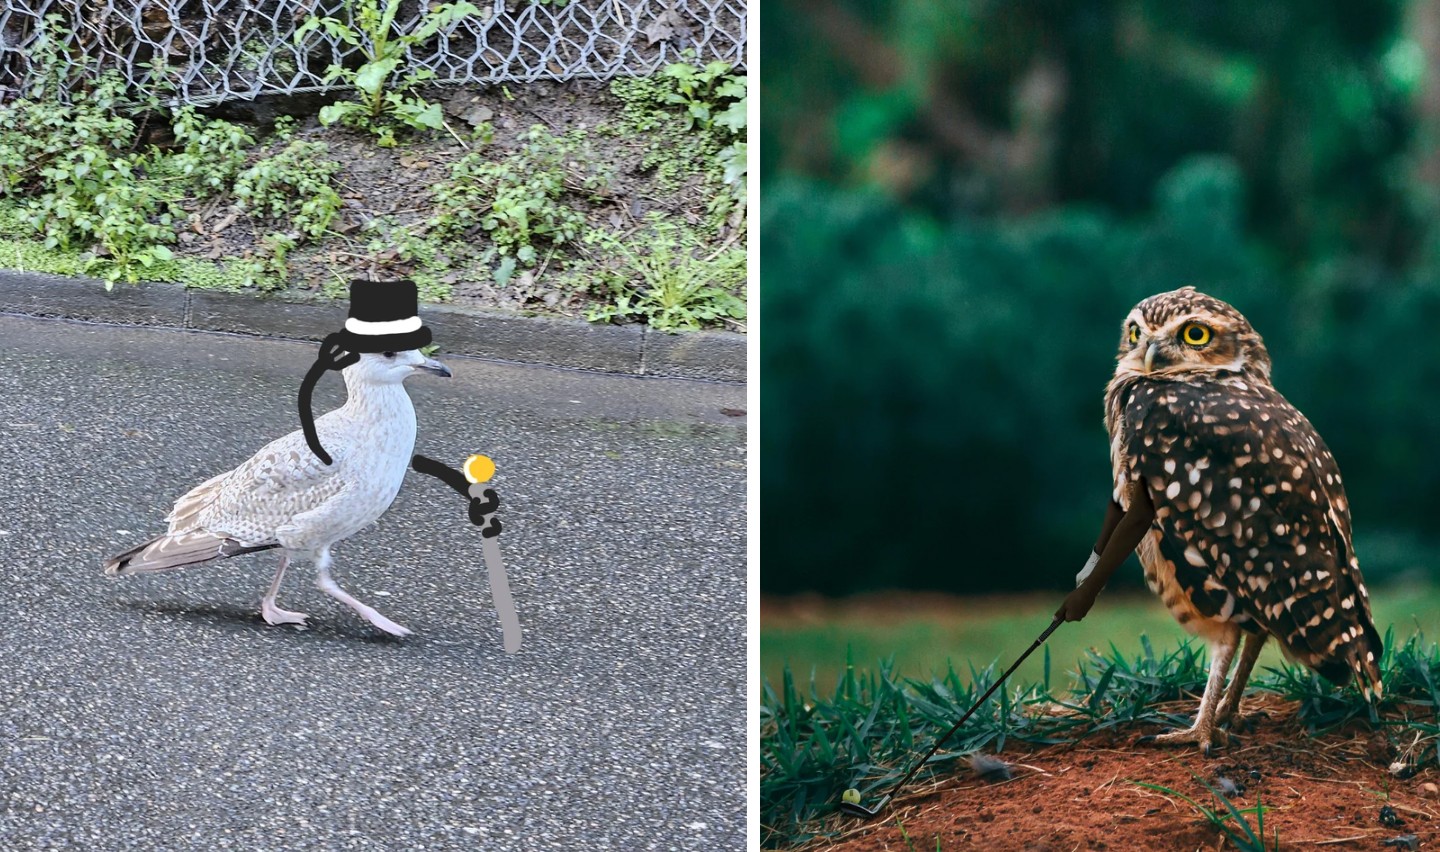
(962, 200)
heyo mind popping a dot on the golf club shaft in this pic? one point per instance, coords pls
(968, 713)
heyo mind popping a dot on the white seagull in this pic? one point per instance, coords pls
(285, 497)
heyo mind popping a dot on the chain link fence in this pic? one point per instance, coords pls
(206, 52)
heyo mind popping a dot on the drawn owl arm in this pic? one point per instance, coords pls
(1122, 539)
(1112, 519)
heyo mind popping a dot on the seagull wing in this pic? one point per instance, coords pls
(282, 480)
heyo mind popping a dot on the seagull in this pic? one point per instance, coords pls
(285, 497)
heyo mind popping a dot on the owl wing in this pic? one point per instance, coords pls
(1254, 518)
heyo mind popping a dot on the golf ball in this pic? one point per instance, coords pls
(851, 797)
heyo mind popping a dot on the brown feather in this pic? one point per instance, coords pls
(177, 551)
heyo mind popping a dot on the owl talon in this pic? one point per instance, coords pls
(1205, 738)
(1237, 724)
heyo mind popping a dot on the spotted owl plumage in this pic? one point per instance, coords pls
(1252, 527)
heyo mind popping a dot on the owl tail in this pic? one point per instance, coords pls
(1367, 666)
(1358, 657)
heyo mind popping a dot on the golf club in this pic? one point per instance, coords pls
(857, 810)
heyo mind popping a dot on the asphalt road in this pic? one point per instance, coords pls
(160, 712)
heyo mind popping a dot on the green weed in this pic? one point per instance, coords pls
(1232, 822)
(294, 186)
(520, 200)
(383, 85)
(664, 276)
(84, 186)
(694, 118)
(1120, 691)
(212, 152)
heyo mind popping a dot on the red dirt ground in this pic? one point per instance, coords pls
(1324, 792)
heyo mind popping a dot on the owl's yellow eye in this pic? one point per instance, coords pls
(1134, 334)
(1195, 334)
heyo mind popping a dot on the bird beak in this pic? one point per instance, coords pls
(1150, 358)
(435, 367)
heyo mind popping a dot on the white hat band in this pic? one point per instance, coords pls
(389, 327)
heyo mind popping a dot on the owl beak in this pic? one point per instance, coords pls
(1150, 358)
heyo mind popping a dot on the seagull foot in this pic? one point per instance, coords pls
(328, 585)
(275, 615)
(382, 622)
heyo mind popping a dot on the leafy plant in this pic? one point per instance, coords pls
(96, 196)
(35, 133)
(519, 200)
(296, 185)
(695, 118)
(664, 278)
(74, 159)
(212, 152)
(85, 189)
(712, 97)
(734, 168)
(382, 86)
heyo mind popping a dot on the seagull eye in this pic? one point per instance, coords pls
(389, 354)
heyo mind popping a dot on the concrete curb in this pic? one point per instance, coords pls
(634, 350)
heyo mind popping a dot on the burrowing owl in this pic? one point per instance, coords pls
(1251, 529)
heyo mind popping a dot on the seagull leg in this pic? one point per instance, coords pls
(272, 613)
(328, 585)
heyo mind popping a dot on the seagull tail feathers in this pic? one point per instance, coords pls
(177, 550)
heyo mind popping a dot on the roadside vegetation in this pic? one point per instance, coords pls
(624, 205)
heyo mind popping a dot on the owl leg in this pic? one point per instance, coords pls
(1230, 706)
(1203, 732)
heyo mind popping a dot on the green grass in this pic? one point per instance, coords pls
(1241, 834)
(850, 725)
(21, 250)
(982, 630)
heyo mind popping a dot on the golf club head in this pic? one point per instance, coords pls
(863, 812)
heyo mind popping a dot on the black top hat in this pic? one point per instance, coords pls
(384, 317)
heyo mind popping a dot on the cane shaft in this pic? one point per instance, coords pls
(500, 591)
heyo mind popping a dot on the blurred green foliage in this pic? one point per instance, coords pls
(963, 199)
(932, 391)
(980, 107)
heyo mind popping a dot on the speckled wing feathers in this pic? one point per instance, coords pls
(1253, 515)
(269, 489)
